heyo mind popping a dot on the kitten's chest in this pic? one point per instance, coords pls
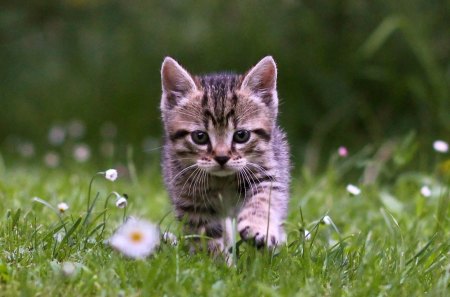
(224, 195)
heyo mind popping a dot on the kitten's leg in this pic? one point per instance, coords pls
(221, 232)
(205, 226)
(261, 218)
(215, 231)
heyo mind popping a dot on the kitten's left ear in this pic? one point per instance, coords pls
(261, 80)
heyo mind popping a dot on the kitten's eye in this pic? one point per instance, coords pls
(241, 136)
(200, 137)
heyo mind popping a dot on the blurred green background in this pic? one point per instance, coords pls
(351, 72)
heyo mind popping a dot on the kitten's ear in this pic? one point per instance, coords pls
(176, 83)
(261, 80)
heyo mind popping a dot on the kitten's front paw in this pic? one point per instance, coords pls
(257, 231)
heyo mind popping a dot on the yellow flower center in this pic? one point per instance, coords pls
(136, 237)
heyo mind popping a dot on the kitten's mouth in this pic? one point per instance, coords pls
(222, 172)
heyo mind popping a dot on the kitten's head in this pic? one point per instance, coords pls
(221, 122)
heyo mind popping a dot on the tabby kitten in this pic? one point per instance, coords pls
(224, 155)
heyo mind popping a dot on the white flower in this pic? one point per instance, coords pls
(121, 202)
(111, 174)
(59, 236)
(327, 220)
(68, 268)
(307, 235)
(56, 135)
(26, 149)
(136, 238)
(425, 191)
(62, 207)
(354, 190)
(81, 153)
(170, 238)
(342, 152)
(51, 159)
(440, 146)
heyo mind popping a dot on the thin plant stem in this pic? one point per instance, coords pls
(234, 245)
(104, 214)
(268, 215)
(89, 207)
(124, 214)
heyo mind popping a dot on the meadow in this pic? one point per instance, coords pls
(80, 86)
(386, 236)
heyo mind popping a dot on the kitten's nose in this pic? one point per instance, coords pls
(222, 159)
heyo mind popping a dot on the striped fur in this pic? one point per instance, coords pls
(227, 175)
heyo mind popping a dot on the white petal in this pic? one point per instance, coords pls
(81, 153)
(123, 242)
(353, 189)
(68, 268)
(111, 174)
(307, 235)
(425, 191)
(327, 220)
(170, 238)
(440, 146)
(121, 202)
(63, 206)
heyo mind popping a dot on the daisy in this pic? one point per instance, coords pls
(327, 220)
(68, 269)
(169, 237)
(26, 149)
(354, 190)
(425, 191)
(440, 146)
(56, 135)
(51, 159)
(81, 153)
(121, 202)
(136, 238)
(62, 207)
(76, 129)
(111, 174)
(307, 235)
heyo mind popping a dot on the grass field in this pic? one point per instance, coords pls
(390, 240)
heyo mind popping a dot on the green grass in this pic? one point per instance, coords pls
(388, 241)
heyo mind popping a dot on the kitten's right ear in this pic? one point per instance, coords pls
(176, 83)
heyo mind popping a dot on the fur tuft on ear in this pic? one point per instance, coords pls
(176, 83)
(261, 80)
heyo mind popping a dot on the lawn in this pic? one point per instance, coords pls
(392, 239)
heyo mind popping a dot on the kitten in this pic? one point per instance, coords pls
(224, 154)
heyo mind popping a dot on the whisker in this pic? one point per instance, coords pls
(189, 177)
(193, 184)
(247, 179)
(263, 170)
(253, 178)
(204, 189)
(185, 169)
(239, 185)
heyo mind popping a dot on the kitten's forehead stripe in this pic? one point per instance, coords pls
(204, 100)
(219, 98)
(230, 114)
